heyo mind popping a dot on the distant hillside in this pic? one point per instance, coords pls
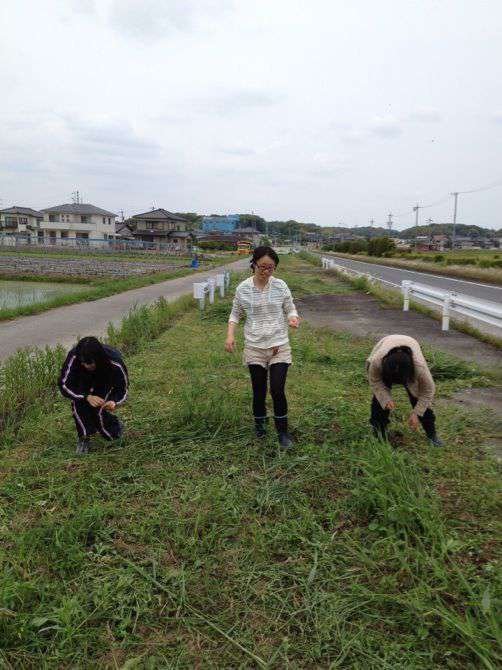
(446, 229)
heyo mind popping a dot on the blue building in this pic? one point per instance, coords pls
(220, 224)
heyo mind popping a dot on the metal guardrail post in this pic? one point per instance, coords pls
(211, 283)
(405, 286)
(445, 322)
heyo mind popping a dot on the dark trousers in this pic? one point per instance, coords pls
(277, 373)
(380, 417)
(90, 420)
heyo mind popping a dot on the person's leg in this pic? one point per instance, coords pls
(109, 425)
(379, 419)
(278, 374)
(259, 383)
(428, 421)
(85, 418)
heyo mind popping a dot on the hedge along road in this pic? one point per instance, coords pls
(394, 275)
(63, 325)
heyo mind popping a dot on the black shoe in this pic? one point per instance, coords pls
(82, 447)
(379, 433)
(434, 441)
(285, 440)
(260, 426)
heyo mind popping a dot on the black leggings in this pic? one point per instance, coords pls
(278, 373)
(380, 417)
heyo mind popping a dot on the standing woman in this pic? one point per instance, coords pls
(398, 359)
(268, 306)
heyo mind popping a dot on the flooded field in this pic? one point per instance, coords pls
(20, 293)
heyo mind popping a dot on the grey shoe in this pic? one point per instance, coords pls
(434, 441)
(285, 441)
(82, 447)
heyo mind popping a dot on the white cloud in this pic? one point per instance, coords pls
(426, 115)
(386, 127)
(148, 20)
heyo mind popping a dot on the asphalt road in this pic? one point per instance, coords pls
(474, 289)
(64, 325)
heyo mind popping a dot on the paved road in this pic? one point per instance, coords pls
(64, 325)
(396, 275)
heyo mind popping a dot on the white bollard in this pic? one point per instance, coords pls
(199, 293)
(445, 323)
(220, 283)
(405, 286)
(211, 283)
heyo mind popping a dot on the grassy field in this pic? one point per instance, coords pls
(151, 256)
(195, 546)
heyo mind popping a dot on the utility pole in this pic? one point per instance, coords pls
(75, 196)
(121, 215)
(389, 222)
(454, 233)
(372, 221)
(415, 209)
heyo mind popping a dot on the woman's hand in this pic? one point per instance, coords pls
(413, 421)
(390, 405)
(230, 344)
(294, 321)
(110, 405)
(95, 401)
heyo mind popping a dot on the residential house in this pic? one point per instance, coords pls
(220, 224)
(81, 222)
(440, 242)
(248, 233)
(20, 221)
(161, 227)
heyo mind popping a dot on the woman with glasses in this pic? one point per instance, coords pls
(268, 306)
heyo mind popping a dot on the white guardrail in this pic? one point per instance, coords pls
(473, 308)
(208, 287)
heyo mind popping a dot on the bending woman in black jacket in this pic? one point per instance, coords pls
(94, 377)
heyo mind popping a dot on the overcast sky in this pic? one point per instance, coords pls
(326, 111)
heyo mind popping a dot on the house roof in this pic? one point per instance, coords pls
(173, 234)
(159, 214)
(81, 208)
(247, 229)
(27, 211)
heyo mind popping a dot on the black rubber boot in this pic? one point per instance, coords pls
(82, 446)
(434, 441)
(379, 433)
(281, 425)
(260, 426)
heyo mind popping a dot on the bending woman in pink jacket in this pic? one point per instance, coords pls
(398, 359)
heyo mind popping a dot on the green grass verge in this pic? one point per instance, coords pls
(196, 546)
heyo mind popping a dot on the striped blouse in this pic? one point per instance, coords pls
(267, 311)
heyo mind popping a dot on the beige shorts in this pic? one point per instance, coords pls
(266, 357)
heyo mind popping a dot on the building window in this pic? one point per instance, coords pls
(53, 218)
(104, 219)
(109, 221)
(84, 219)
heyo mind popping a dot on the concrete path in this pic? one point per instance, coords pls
(64, 325)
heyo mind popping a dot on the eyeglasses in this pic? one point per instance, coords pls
(266, 268)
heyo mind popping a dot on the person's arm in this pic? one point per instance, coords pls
(234, 318)
(427, 390)
(120, 388)
(380, 390)
(290, 310)
(68, 380)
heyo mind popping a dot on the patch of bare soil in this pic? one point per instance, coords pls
(364, 316)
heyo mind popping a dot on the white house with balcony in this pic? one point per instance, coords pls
(22, 222)
(81, 222)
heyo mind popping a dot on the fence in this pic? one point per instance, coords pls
(330, 264)
(481, 310)
(208, 287)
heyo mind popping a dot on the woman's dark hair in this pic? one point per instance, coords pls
(90, 350)
(398, 367)
(259, 252)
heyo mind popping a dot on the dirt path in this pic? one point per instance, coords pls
(64, 325)
(364, 316)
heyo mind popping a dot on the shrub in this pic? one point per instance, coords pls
(379, 246)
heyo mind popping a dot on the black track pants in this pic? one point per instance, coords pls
(277, 373)
(90, 420)
(380, 417)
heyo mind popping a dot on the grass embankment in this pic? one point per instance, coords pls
(486, 275)
(98, 288)
(96, 254)
(195, 546)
